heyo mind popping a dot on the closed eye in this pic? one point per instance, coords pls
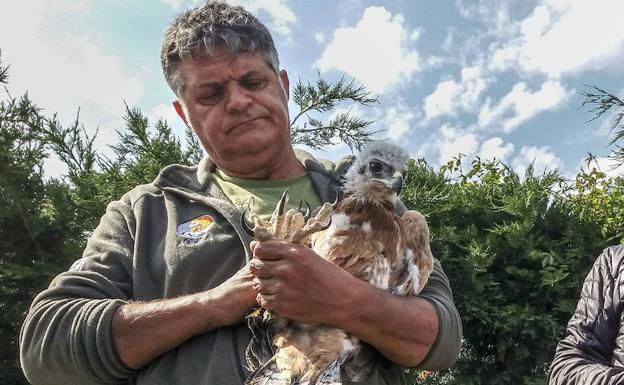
(212, 97)
(253, 84)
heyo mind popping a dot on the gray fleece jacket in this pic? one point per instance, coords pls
(138, 252)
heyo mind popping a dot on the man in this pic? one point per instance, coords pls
(592, 352)
(165, 281)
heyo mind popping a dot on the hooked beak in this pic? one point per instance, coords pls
(397, 182)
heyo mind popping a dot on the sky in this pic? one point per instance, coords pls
(495, 79)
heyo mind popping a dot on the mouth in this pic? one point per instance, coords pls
(242, 124)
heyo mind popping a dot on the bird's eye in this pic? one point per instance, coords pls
(375, 167)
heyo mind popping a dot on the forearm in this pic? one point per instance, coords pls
(579, 371)
(403, 329)
(143, 331)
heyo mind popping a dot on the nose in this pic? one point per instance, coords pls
(238, 99)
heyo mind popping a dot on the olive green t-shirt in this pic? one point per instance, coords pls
(259, 197)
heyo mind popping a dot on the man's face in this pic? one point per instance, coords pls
(238, 107)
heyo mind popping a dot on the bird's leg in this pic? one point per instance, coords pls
(295, 221)
(286, 223)
(262, 230)
(319, 222)
(291, 225)
(272, 229)
(277, 219)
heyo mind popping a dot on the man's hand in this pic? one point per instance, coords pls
(144, 330)
(232, 298)
(297, 283)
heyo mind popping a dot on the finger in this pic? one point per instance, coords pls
(255, 284)
(265, 300)
(261, 269)
(273, 250)
(264, 286)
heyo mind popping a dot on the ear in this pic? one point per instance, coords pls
(178, 108)
(285, 83)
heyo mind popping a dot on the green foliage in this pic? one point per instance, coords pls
(44, 223)
(516, 250)
(36, 230)
(325, 97)
(599, 102)
(601, 198)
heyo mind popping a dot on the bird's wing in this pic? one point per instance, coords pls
(415, 261)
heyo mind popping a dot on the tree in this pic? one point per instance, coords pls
(601, 102)
(516, 252)
(325, 97)
(36, 226)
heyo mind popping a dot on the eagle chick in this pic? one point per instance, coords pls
(368, 239)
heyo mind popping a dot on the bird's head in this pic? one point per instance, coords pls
(379, 168)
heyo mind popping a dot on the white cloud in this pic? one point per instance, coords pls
(543, 159)
(495, 148)
(494, 15)
(522, 104)
(174, 4)
(319, 37)
(375, 51)
(562, 37)
(64, 71)
(397, 120)
(282, 17)
(451, 97)
(453, 141)
(433, 61)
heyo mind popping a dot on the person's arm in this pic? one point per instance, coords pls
(85, 329)
(143, 331)
(298, 284)
(584, 355)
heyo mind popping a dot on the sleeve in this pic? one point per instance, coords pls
(66, 337)
(584, 355)
(445, 349)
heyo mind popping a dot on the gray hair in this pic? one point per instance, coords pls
(200, 31)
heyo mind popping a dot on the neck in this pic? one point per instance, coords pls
(285, 167)
(370, 194)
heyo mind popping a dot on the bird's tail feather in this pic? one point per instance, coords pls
(329, 376)
(269, 374)
(361, 362)
(260, 348)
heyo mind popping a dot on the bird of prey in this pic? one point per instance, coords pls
(363, 235)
